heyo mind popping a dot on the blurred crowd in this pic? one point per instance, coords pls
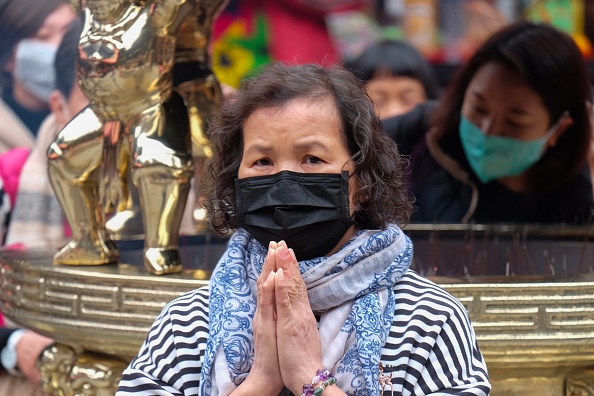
(506, 138)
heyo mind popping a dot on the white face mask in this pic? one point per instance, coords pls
(34, 68)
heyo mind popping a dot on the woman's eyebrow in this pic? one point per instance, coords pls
(305, 146)
(514, 110)
(478, 96)
(518, 110)
(310, 145)
(258, 148)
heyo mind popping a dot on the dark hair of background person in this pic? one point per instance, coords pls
(21, 19)
(381, 195)
(552, 65)
(394, 58)
(66, 58)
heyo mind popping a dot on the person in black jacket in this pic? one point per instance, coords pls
(509, 140)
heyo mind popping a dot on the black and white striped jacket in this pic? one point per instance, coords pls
(431, 348)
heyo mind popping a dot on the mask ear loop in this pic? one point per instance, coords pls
(356, 205)
(553, 128)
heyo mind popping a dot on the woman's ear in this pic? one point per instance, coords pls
(59, 108)
(564, 123)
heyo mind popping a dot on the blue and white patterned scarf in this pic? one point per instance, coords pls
(352, 290)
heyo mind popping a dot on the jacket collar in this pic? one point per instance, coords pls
(454, 169)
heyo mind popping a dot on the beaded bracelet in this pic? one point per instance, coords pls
(324, 385)
(321, 375)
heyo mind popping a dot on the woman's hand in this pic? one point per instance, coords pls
(265, 376)
(297, 337)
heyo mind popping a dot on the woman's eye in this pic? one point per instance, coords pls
(42, 35)
(517, 125)
(263, 162)
(479, 110)
(314, 160)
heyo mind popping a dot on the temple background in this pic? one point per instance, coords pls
(250, 33)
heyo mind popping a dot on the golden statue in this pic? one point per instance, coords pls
(144, 67)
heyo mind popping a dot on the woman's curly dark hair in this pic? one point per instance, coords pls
(381, 196)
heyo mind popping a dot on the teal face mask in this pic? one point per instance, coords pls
(492, 157)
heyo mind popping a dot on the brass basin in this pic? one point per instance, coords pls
(534, 331)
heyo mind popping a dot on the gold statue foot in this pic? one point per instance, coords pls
(125, 223)
(160, 261)
(88, 253)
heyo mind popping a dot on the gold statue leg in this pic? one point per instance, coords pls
(73, 161)
(128, 221)
(162, 169)
(202, 96)
(120, 223)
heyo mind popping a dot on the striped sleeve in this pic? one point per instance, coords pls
(432, 348)
(170, 358)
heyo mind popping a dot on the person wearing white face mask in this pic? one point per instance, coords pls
(509, 140)
(30, 32)
(37, 216)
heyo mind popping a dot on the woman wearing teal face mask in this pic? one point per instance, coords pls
(509, 139)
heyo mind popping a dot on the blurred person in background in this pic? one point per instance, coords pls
(400, 81)
(509, 140)
(20, 350)
(30, 32)
(37, 216)
(397, 77)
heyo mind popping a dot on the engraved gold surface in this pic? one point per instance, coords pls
(534, 332)
(580, 382)
(105, 309)
(517, 322)
(137, 127)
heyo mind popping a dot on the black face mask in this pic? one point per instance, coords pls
(309, 211)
